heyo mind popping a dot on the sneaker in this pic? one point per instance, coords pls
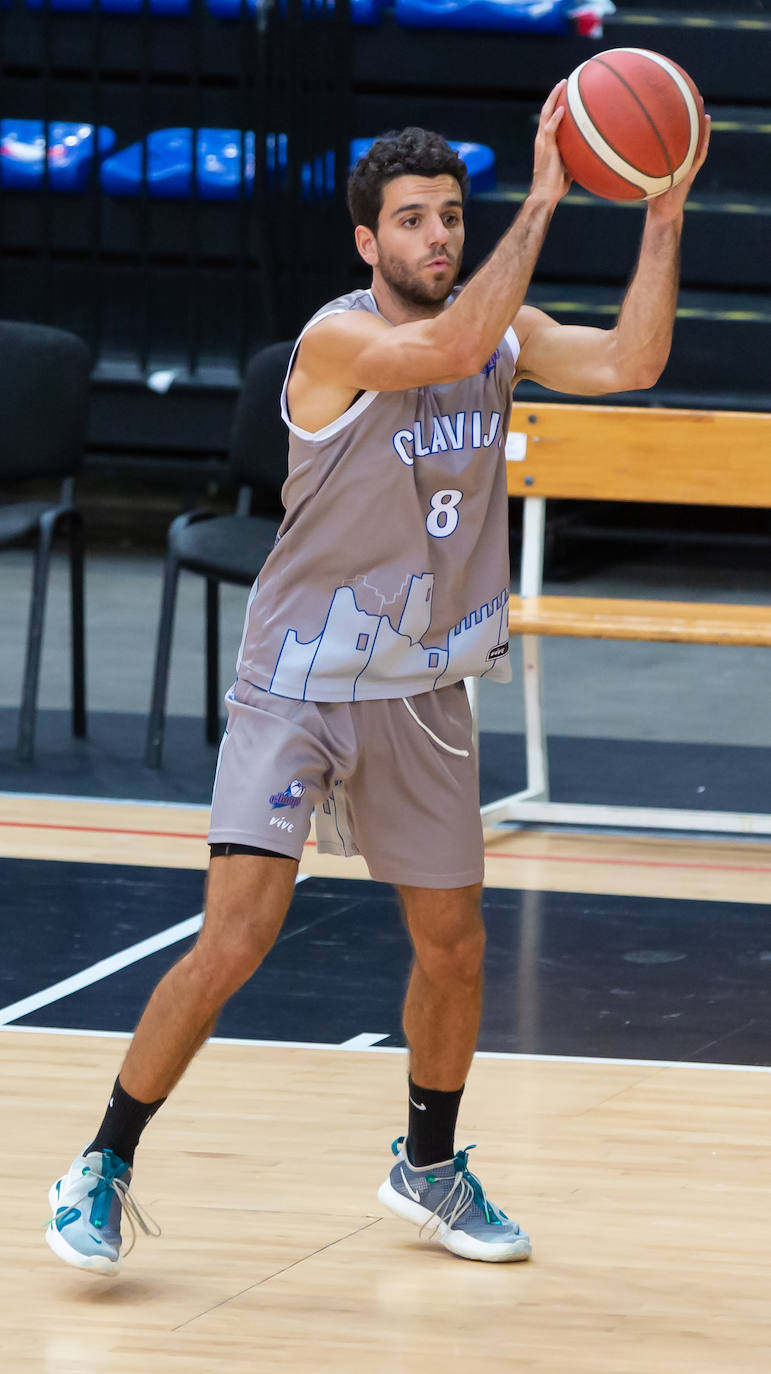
(86, 1206)
(447, 1202)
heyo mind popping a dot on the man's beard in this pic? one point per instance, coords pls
(411, 289)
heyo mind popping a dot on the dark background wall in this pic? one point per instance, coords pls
(193, 287)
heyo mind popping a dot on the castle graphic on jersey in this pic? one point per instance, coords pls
(358, 655)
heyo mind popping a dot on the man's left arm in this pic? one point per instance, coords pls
(582, 361)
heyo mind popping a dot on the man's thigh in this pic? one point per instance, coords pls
(247, 898)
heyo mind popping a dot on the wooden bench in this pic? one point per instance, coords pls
(612, 453)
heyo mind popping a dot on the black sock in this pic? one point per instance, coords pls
(431, 1134)
(124, 1122)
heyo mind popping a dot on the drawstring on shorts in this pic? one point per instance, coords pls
(462, 753)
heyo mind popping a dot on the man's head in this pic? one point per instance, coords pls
(406, 200)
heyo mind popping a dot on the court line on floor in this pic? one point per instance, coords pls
(107, 801)
(633, 863)
(103, 968)
(597, 860)
(347, 1046)
(364, 1040)
(104, 830)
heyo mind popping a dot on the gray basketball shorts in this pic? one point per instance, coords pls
(380, 783)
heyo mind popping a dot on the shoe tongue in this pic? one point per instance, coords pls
(106, 1163)
(444, 1170)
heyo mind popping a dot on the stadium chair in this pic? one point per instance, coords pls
(70, 154)
(169, 165)
(479, 160)
(544, 16)
(114, 6)
(169, 172)
(226, 548)
(362, 11)
(43, 412)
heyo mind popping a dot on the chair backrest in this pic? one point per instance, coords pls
(259, 438)
(627, 453)
(44, 393)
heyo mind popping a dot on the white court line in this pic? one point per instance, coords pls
(95, 972)
(364, 1041)
(100, 970)
(398, 1049)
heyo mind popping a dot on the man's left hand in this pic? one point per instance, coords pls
(669, 205)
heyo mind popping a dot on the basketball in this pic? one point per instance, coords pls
(632, 126)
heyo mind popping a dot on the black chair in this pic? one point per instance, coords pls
(44, 394)
(226, 548)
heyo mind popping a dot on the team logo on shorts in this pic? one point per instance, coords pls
(291, 796)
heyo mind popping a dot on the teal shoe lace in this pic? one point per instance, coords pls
(466, 1189)
(493, 1216)
(110, 1184)
(113, 1167)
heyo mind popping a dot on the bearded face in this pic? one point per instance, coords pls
(424, 286)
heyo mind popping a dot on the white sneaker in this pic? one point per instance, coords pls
(86, 1206)
(447, 1202)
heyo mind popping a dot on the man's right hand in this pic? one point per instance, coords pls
(550, 177)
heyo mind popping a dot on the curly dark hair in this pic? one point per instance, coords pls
(405, 152)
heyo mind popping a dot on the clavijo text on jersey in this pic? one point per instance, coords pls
(448, 432)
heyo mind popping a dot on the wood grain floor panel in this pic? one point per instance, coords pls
(536, 860)
(647, 1191)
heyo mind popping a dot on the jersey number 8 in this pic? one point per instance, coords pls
(443, 516)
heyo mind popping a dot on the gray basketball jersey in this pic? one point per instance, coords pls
(390, 572)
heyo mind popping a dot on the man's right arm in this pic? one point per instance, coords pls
(360, 352)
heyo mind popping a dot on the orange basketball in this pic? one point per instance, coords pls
(632, 125)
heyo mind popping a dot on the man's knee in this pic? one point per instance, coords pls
(219, 967)
(454, 955)
(246, 903)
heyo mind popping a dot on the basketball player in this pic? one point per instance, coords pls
(387, 586)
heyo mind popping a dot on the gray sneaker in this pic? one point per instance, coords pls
(86, 1206)
(447, 1202)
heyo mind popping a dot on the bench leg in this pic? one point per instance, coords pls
(213, 730)
(535, 733)
(77, 601)
(537, 790)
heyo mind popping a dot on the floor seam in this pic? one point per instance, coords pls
(260, 1282)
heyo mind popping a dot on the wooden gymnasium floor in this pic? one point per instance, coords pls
(620, 1100)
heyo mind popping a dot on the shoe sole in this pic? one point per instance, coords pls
(93, 1264)
(458, 1242)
